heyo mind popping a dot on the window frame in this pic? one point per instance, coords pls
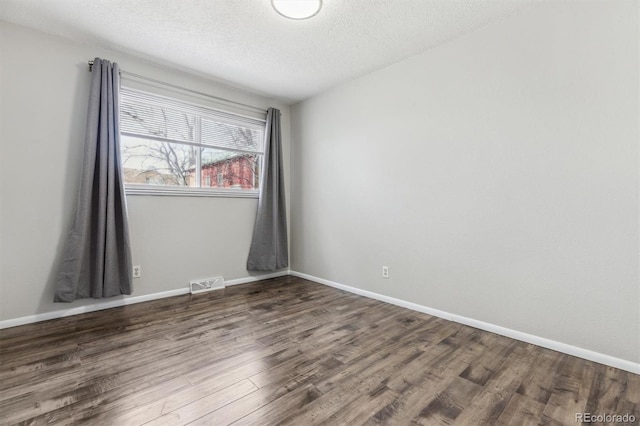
(206, 112)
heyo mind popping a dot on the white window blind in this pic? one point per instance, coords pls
(169, 143)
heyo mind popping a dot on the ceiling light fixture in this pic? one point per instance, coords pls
(297, 9)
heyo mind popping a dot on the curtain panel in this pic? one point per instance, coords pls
(96, 261)
(269, 249)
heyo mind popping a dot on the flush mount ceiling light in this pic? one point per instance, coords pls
(297, 9)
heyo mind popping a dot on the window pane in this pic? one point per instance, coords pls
(226, 169)
(225, 135)
(146, 119)
(168, 142)
(158, 163)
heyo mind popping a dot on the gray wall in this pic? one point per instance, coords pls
(44, 84)
(496, 175)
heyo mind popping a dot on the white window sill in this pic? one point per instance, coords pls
(169, 191)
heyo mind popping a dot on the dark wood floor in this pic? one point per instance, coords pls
(289, 351)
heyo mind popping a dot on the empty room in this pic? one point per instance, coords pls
(265, 212)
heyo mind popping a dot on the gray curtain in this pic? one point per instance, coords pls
(97, 256)
(269, 248)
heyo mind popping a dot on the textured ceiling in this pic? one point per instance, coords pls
(247, 44)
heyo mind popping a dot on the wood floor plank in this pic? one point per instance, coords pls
(449, 403)
(632, 393)
(289, 351)
(274, 412)
(487, 407)
(358, 410)
(428, 378)
(203, 406)
(521, 410)
(570, 388)
(607, 390)
(270, 392)
(241, 407)
(109, 407)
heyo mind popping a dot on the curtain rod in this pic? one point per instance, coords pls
(240, 104)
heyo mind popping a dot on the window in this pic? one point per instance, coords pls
(171, 146)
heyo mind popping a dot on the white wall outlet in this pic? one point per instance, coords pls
(137, 271)
(385, 272)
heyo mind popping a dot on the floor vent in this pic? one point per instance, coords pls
(207, 284)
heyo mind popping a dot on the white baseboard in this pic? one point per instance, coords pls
(246, 280)
(514, 334)
(115, 303)
(98, 306)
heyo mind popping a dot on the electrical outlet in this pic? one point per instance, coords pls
(385, 272)
(137, 271)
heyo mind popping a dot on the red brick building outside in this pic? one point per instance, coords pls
(225, 170)
(239, 172)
